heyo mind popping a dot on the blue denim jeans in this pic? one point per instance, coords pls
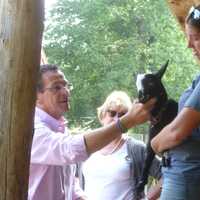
(180, 189)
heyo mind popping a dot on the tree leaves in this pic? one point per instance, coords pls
(101, 44)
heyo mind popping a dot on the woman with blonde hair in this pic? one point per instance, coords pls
(113, 172)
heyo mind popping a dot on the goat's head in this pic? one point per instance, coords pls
(150, 85)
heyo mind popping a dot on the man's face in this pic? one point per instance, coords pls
(54, 99)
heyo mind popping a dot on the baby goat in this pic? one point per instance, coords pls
(164, 111)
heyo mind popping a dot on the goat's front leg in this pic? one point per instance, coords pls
(147, 165)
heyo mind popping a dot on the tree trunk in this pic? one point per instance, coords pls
(180, 9)
(21, 26)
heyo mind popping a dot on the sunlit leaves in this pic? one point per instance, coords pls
(102, 44)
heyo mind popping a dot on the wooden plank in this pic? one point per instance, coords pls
(21, 26)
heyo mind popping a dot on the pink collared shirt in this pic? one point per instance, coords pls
(53, 156)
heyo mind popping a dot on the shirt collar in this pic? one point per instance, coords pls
(54, 124)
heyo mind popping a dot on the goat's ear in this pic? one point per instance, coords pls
(162, 70)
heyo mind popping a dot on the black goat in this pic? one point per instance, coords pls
(164, 111)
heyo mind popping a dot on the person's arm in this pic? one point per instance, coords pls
(54, 148)
(96, 139)
(174, 133)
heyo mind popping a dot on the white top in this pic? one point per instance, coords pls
(107, 177)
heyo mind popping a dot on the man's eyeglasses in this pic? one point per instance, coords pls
(113, 113)
(194, 13)
(58, 87)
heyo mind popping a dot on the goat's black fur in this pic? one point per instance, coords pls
(164, 111)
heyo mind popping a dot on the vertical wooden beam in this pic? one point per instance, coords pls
(43, 59)
(21, 26)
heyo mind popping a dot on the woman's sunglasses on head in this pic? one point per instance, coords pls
(194, 13)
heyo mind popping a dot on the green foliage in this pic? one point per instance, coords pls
(102, 45)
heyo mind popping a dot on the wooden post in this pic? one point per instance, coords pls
(21, 26)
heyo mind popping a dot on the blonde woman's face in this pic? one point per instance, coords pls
(111, 114)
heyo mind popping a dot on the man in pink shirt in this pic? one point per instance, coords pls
(54, 151)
